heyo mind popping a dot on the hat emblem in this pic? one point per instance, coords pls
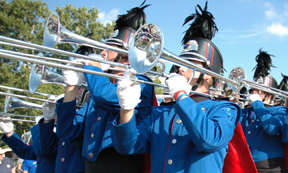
(259, 80)
(191, 45)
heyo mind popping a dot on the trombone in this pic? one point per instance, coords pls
(238, 74)
(65, 53)
(4, 116)
(145, 51)
(12, 101)
(147, 47)
(55, 33)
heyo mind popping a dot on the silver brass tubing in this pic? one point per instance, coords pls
(22, 90)
(271, 88)
(25, 97)
(11, 56)
(14, 119)
(38, 57)
(263, 88)
(57, 51)
(17, 115)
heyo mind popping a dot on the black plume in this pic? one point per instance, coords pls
(284, 83)
(264, 63)
(134, 18)
(202, 26)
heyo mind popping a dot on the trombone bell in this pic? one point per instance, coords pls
(146, 47)
(14, 102)
(52, 28)
(40, 74)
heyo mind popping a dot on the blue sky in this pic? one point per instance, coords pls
(244, 26)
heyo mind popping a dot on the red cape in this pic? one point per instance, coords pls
(238, 158)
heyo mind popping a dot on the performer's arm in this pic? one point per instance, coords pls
(103, 92)
(271, 124)
(126, 133)
(70, 124)
(208, 133)
(131, 138)
(21, 149)
(44, 139)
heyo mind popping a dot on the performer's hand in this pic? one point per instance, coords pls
(128, 92)
(235, 100)
(254, 97)
(176, 83)
(103, 66)
(72, 77)
(6, 125)
(49, 108)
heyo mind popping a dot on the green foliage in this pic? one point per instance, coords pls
(158, 90)
(25, 20)
(83, 22)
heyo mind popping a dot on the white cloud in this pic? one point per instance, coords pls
(278, 29)
(249, 35)
(270, 13)
(109, 17)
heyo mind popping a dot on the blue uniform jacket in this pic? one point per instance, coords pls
(69, 158)
(263, 128)
(284, 135)
(99, 113)
(22, 150)
(184, 137)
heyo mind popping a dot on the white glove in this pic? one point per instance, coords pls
(104, 66)
(72, 77)
(128, 92)
(254, 97)
(81, 61)
(49, 108)
(6, 125)
(176, 83)
(38, 118)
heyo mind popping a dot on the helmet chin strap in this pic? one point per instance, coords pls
(115, 60)
(195, 86)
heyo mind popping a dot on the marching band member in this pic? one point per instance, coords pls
(193, 134)
(284, 86)
(103, 105)
(69, 154)
(22, 150)
(262, 123)
(69, 157)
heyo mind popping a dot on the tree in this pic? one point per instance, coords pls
(25, 20)
(158, 90)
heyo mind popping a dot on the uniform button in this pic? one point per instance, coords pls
(170, 162)
(92, 135)
(99, 118)
(62, 159)
(178, 121)
(252, 121)
(174, 141)
(91, 155)
(63, 143)
(249, 132)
